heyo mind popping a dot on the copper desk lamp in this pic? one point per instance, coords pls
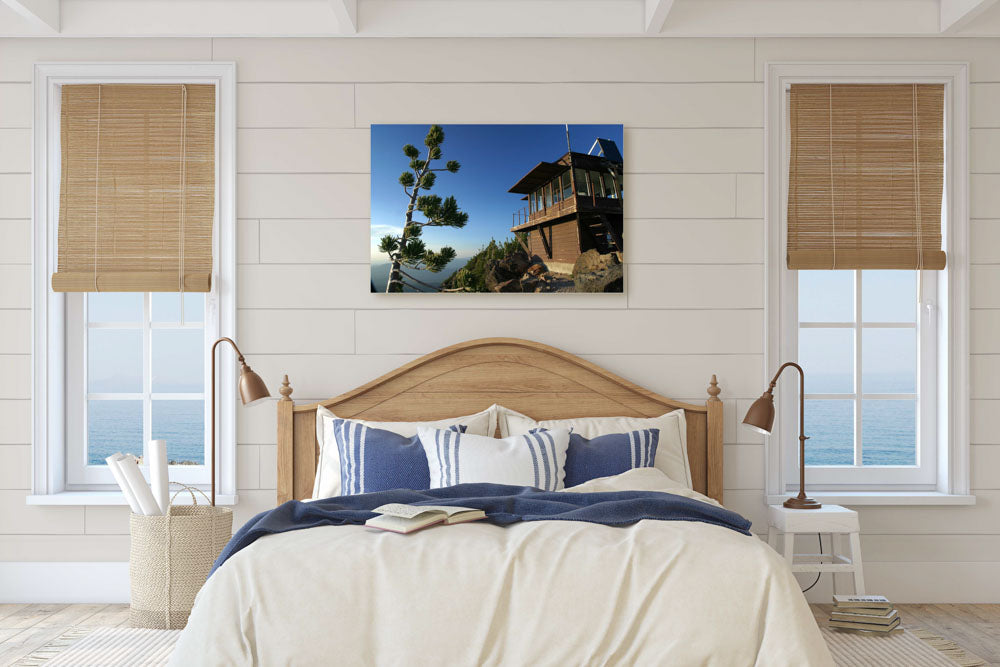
(252, 390)
(760, 417)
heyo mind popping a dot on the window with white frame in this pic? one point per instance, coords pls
(113, 370)
(136, 371)
(884, 351)
(871, 360)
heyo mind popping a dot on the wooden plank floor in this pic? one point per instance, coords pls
(26, 627)
(974, 627)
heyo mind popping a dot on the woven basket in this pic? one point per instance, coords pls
(170, 559)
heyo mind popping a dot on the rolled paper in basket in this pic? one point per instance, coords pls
(147, 503)
(158, 474)
(112, 462)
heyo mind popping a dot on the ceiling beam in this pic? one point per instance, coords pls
(656, 15)
(44, 13)
(957, 14)
(347, 14)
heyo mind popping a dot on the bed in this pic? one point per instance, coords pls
(545, 592)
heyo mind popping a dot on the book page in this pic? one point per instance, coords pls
(449, 510)
(406, 511)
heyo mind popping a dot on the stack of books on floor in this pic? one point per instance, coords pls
(864, 613)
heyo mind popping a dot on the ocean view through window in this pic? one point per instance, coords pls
(145, 374)
(858, 341)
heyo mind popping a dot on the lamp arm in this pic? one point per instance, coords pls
(239, 356)
(802, 394)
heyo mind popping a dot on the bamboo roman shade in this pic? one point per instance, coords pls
(866, 176)
(137, 194)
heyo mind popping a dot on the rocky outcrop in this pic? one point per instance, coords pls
(594, 272)
(501, 271)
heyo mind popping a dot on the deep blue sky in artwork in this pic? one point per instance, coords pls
(493, 158)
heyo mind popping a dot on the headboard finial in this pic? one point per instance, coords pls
(714, 389)
(285, 390)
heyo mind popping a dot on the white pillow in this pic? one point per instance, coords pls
(671, 452)
(639, 479)
(327, 482)
(536, 459)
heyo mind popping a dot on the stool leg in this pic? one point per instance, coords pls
(789, 547)
(835, 548)
(859, 573)
(772, 537)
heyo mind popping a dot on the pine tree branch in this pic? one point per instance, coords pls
(419, 281)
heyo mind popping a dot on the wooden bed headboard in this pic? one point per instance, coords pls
(541, 381)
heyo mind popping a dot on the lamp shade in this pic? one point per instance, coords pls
(760, 416)
(252, 387)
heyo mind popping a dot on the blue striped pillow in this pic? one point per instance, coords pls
(610, 454)
(372, 459)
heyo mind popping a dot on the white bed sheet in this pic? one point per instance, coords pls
(539, 593)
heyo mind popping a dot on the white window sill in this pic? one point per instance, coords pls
(113, 498)
(854, 498)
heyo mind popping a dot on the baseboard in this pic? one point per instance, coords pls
(58, 582)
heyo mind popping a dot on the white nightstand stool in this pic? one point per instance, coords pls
(832, 519)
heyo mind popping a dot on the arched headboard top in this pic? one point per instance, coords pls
(538, 380)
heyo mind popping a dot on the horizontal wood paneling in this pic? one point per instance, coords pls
(15, 286)
(315, 241)
(19, 518)
(699, 151)
(694, 242)
(15, 196)
(638, 331)
(980, 53)
(18, 56)
(636, 105)
(15, 151)
(490, 59)
(985, 104)
(15, 105)
(64, 548)
(293, 151)
(319, 331)
(700, 286)
(294, 105)
(302, 195)
(16, 419)
(694, 234)
(681, 196)
(16, 246)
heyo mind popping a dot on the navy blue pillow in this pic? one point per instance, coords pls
(610, 454)
(372, 459)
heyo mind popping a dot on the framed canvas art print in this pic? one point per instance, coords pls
(497, 208)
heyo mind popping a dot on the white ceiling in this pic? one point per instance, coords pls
(497, 18)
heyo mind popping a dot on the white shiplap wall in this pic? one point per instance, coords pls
(693, 112)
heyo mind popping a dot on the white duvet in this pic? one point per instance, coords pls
(538, 593)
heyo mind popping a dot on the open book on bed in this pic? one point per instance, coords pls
(402, 518)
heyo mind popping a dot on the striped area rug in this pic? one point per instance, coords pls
(100, 647)
(914, 648)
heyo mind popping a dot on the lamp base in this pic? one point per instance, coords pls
(802, 504)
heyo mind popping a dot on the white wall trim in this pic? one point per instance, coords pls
(48, 334)
(64, 582)
(954, 442)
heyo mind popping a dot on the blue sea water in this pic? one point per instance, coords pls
(888, 432)
(116, 426)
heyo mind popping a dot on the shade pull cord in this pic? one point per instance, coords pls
(180, 240)
(833, 205)
(916, 184)
(97, 182)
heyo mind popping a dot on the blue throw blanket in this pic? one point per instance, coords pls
(503, 505)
